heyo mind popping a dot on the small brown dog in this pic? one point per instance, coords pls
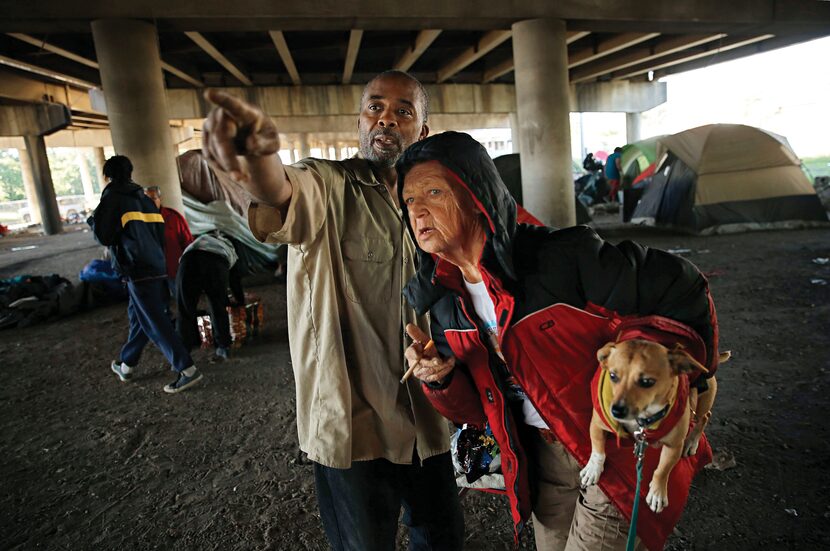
(640, 389)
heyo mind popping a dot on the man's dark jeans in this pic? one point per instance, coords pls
(150, 321)
(360, 506)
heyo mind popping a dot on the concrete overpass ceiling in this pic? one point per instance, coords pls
(249, 42)
(78, 43)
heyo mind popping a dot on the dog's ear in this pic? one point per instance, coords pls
(604, 352)
(682, 362)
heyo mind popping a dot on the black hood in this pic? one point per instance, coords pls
(124, 187)
(468, 159)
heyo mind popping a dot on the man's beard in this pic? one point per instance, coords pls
(381, 159)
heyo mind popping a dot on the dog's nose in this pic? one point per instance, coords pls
(619, 410)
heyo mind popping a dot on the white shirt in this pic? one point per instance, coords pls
(486, 311)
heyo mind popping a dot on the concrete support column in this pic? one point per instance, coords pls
(29, 186)
(44, 190)
(540, 57)
(305, 146)
(131, 76)
(90, 200)
(632, 127)
(515, 132)
(99, 158)
(292, 151)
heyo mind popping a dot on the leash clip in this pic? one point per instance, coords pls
(640, 443)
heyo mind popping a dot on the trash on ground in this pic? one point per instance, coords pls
(26, 248)
(821, 260)
(792, 512)
(680, 251)
(818, 281)
(722, 460)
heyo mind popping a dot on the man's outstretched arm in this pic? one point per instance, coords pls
(244, 141)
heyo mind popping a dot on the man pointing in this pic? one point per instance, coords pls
(376, 445)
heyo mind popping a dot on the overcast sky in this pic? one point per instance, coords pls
(786, 91)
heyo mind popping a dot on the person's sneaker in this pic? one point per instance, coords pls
(223, 353)
(123, 371)
(183, 382)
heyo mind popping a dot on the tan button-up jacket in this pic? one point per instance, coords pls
(349, 257)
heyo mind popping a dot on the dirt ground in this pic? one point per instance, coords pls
(88, 462)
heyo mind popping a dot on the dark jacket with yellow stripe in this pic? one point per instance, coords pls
(129, 223)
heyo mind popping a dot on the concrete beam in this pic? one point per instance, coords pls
(345, 125)
(618, 96)
(734, 53)
(723, 46)
(17, 87)
(256, 15)
(608, 47)
(96, 137)
(639, 55)
(355, 37)
(507, 65)
(211, 50)
(299, 101)
(43, 45)
(182, 75)
(411, 55)
(484, 46)
(61, 77)
(285, 54)
(33, 120)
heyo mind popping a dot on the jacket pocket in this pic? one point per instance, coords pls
(369, 269)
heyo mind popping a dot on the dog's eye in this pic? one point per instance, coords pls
(614, 377)
(646, 383)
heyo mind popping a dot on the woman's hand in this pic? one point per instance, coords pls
(428, 365)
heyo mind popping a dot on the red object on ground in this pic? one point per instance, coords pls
(245, 322)
(4, 229)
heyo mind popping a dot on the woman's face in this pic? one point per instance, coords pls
(441, 212)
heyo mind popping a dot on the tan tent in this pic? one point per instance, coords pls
(727, 174)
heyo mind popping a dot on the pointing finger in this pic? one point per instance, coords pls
(243, 113)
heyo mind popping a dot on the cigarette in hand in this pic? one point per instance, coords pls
(430, 345)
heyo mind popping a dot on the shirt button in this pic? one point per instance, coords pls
(371, 255)
(405, 260)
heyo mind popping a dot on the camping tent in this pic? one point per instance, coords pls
(637, 156)
(725, 174)
(510, 170)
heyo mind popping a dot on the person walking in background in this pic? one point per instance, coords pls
(177, 235)
(613, 172)
(210, 264)
(128, 222)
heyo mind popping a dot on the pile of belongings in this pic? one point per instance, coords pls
(26, 299)
(246, 322)
(213, 201)
(104, 285)
(476, 459)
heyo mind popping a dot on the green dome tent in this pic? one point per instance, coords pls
(721, 175)
(637, 156)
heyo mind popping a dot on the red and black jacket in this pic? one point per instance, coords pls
(559, 296)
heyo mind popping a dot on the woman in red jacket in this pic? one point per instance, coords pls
(517, 314)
